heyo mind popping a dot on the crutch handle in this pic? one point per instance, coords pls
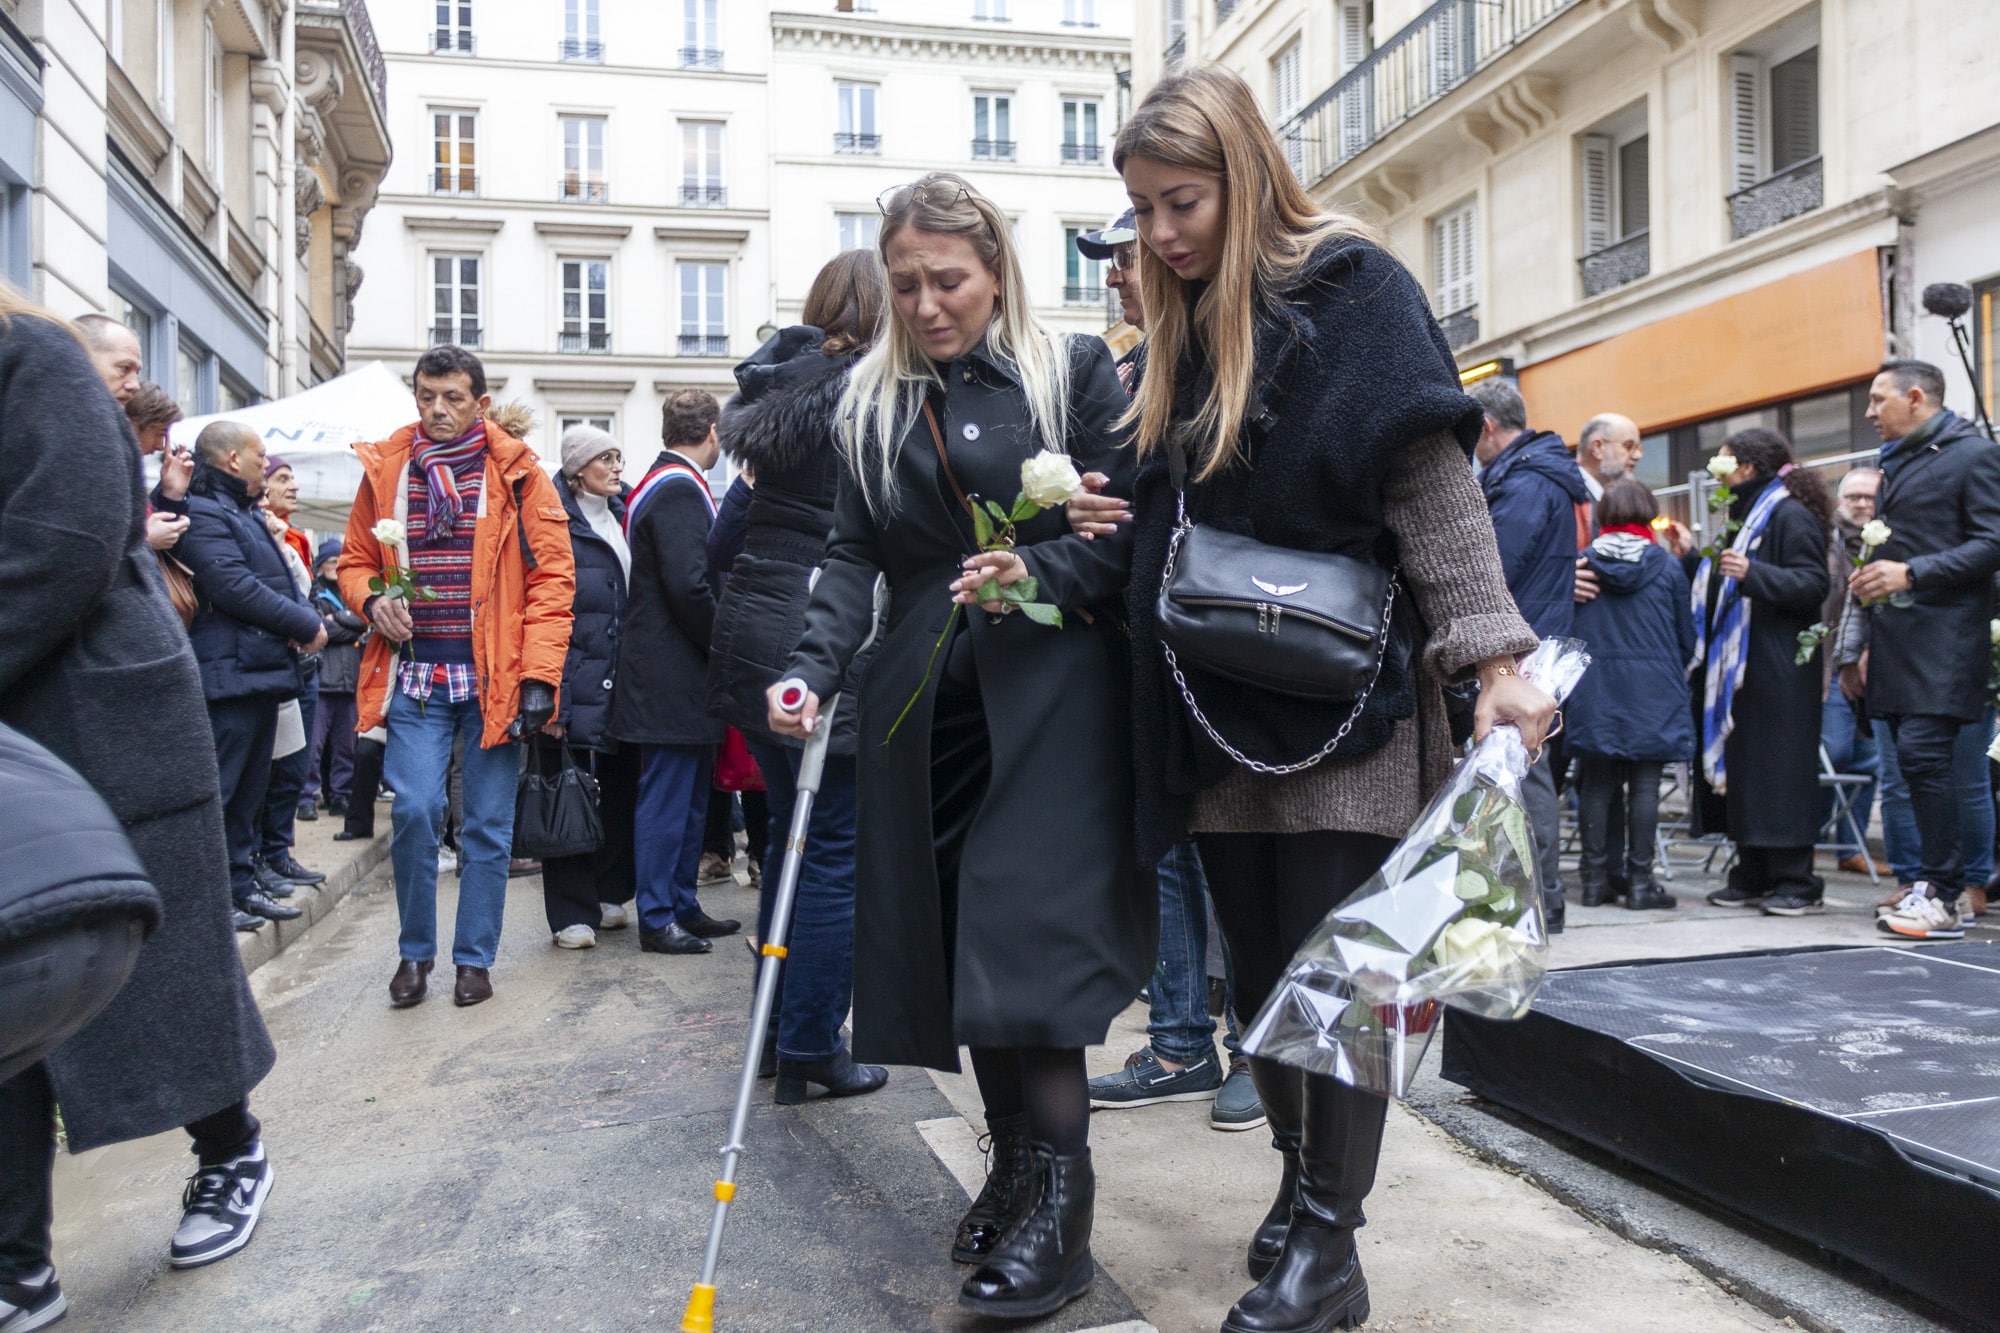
(792, 694)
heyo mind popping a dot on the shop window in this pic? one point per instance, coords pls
(1822, 425)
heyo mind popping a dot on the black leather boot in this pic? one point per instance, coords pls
(1281, 1088)
(838, 1074)
(1009, 1181)
(1317, 1285)
(1044, 1262)
(1648, 896)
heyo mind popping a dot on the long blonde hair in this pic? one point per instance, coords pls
(886, 388)
(1206, 119)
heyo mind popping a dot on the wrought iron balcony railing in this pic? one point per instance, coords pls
(454, 180)
(704, 344)
(1799, 188)
(590, 53)
(700, 57)
(704, 196)
(1073, 153)
(462, 335)
(845, 141)
(993, 150)
(1083, 296)
(572, 340)
(452, 42)
(582, 190)
(1461, 327)
(1617, 264)
(1434, 53)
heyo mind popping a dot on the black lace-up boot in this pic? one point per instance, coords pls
(1043, 1263)
(1009, 1168)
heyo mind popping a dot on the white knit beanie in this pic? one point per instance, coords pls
(581, 444)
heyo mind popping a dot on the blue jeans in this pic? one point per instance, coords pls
(666, 839)
(817, 982)
(414, 766)
(1851, 750)
(1179, 1027)
(1900, 840)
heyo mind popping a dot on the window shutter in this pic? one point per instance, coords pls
(1457, 280)
(1746, 121)
(1596, 193)
(1353, 102)
(1795, 110)
(1635, 187)
(1176, 20)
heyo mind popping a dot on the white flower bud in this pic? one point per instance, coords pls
(1049, 479)
(389, 532)
(1874, 532)
(1721, 466)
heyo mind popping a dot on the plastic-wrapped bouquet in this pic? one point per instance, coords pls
(1453, 917)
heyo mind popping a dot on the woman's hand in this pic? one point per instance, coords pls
(164, 529)
(1093, 515)
(1733, 564)
(555, 729)
(1003, 567)
(1512, 700)
(799, 724)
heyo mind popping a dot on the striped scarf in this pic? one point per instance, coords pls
(440, 463)
(1720, 639)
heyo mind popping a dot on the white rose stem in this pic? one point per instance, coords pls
(700, 1315)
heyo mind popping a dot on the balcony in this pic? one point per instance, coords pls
(461, 335)
(1082, 154)
(1461, 327)
(1176, 51)
(993, 150)
(1799, 188)
(582, 190)
(455, 180)
(846, 142)
(452, 42)
(1083, 296)
(1436, 52)
(704, 196)
(700, 57)
(1617, 264)
(589, 53)
(704, 344)
(596, 342)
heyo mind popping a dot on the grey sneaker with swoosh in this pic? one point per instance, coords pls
(220, 1209)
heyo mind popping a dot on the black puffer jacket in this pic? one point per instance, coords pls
(780, 425)
(67, 856)
(340, 660)
(250, 611)
(591, 669)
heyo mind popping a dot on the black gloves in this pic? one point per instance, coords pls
(538, 705)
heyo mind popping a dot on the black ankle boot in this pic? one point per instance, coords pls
(1044, 1262)
(1648, 896)
(1597, 893)
(838, 1074)
(1009, 1182)
(1280, 1089)
(1317, 1285)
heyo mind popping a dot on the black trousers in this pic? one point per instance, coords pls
(1923, 752)
(244, 730)
(367, 782)
(718, 835)
(1618, 815)
(575, 888)
(290, 782)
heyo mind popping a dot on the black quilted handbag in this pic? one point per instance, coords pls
(555, 813)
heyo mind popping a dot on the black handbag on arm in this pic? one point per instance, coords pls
(1306, 624)
(556, 814)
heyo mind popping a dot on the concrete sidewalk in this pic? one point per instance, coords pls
(345, 865)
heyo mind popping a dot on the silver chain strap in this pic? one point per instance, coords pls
(1187, 694)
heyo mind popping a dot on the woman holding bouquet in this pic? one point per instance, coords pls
(1000, 905)
(1298, 392)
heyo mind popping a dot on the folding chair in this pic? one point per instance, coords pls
(1846, 789)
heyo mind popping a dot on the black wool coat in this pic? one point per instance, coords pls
(780, 425)
(1772, 754)
(340, 660)
(669, 619)
(1056, 925)
(590, 671)
(1942, 505)
(94, 665)
(249, 612)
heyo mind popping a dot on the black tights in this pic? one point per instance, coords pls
(1047, 1083)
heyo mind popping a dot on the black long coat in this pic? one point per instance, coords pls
(1056, 931)
(669, 619)
(94, 664)
(1772, 755)
(590, 671)
(1942, 505)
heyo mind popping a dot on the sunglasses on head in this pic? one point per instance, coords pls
(899, 197)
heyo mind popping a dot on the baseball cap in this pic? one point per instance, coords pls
(1100, 243)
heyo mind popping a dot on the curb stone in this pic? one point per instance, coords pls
(317, 901)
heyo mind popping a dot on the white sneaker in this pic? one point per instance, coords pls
(221, 1207)
(576, 937)
(614, 917)
(1922, 917)
(447, 861)
(35, 1301)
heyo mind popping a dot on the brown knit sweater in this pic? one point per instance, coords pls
(1451, 567)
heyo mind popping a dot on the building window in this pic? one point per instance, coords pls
(583, 38)
(583, 160)
(1079, 13)
(1083, 279)
(989, 11)
(233, 397)
(586, 306)
(1985, 320)
(212, 100)
(856, 131)
(1773, 120)
(1616, 195)
(140, 320)
(163, 66)
(993, 127)
(858, 231)
(598, 420)
(1287, 96)
(704, 309)
(1080, 117)
(455, 300)
(701, 34)
(189, 363)
(701, 165)
(451, 32)
(1176, 31)
(454, 143)
(1455, 273)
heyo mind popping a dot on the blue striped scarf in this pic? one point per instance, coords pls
(439, 462)
(1720, 640)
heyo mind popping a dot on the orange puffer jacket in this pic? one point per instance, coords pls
(520, 614)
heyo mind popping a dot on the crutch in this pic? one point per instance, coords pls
(700, 1316)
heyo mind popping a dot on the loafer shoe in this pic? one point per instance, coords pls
(307, 811)
(474, 986)
(706, 926)
(1237, 1106)
(410, 984)
(261, 904)
(672, 940)
(1144, 1081)
(270, 883)
(246, 923)
(285, 867)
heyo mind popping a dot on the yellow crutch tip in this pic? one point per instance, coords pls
(700, 1316)
(724, 1191)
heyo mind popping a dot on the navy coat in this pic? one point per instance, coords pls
(1633, 702)
(250, 612)
(1533, 489)
(590, 672)
(669, 620)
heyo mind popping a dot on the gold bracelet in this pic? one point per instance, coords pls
(1504, 670)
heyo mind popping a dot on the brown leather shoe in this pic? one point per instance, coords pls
(473, 986)
(410, 984)
(1974, 901)
(1858, 865)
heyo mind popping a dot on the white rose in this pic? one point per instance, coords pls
(1721, 466)
(1049, 479)
(1484, 949)
(1874, 532)
(1993, 628)
(390, 533)
(1993, 750)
